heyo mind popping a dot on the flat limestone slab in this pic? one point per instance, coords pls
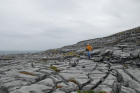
(91, 85)
(68, 76)
(126, 77)
(15, 83)
(127, 90)
(111, 77)
(108, 82)
(47, 82)
(35, 88)
(135, 73)
(105, 88)
(134, 85)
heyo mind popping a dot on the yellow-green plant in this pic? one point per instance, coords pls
(55, 68)
(91, 91)
(70, 53)
(102, 92)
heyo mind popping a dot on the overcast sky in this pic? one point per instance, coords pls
(48, 24)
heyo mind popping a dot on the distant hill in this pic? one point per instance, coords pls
(109, 40)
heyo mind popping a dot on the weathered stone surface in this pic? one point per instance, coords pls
(127, 90)
(58, 91)
(35, 88)
(134, 85)
(82, 82)
(116, 88)
(70, 87)
(2, 89)
(119, 53)
(105, 88)
(96, 52)
(91, 85)
(68, 76)
(126, 77)
(111, 77)
(108, 82)
(135, 53)
(47, 82)
(134, 74)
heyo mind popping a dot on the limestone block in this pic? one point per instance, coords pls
(135, 73)
(15, 83)
(126, 77)
(68, 76)
(111, 77)
(127, 90)
(47, 82)
(96, 52)
(135, 53)
(134, 85)
(108, 82)
(91, 85)
(58, 91)
(35, 88)
(105, 88)
(70, 87)
(55, 79)
(82, 82)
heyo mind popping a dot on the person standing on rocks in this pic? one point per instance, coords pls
(89, 48)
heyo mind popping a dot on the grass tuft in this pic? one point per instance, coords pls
(91, 91)
(125, 65)
(55, 68)
(59, 86)
(27, 73)
(73, 80)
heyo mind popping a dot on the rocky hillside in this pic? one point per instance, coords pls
(114, 67)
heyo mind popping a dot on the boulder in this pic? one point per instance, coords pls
(135, 53)
(96, 52)
(106, 52)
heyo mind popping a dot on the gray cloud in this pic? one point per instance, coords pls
(45, 24)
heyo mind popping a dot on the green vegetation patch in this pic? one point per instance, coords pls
(55, 68)
(70, 54)
(91, 91)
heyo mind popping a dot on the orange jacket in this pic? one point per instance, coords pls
(89, 48)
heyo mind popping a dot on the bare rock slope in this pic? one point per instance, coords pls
(114, 67)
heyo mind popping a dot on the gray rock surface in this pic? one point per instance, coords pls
(113, 67)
